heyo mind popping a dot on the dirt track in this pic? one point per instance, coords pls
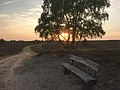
(9, 65)
(45, 74)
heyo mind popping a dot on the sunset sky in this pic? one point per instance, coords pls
(18, 19)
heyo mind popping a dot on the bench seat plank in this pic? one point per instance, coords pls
(85, 77)
(87, 62)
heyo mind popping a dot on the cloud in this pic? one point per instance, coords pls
(29, 16)
(115, 4)
(19, 25)
(9, 2)
(3, 15)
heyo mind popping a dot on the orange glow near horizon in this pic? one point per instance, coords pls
(18, 23)
(64, 36)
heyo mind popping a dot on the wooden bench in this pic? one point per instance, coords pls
(87, 72)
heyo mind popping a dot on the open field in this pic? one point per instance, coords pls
(13, 47)
(43, 72)
(106, 53)
(100, 51)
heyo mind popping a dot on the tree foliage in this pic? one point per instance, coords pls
(82, 19)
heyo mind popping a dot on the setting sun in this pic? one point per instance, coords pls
(59, 45)
(25, 19)
(64, 36)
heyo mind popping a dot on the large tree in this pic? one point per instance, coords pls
(80, 19)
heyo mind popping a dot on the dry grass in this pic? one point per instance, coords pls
(10, 48)
(99, 51)
(106, 53)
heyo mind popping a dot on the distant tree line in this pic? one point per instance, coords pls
(2, 41)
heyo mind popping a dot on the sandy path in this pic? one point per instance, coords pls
(8, 66)
(45, 73)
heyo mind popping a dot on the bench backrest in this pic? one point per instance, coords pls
(86, 62)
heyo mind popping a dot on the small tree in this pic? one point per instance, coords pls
(80, 19)
(2, 41)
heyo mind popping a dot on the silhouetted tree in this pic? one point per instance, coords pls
(2, 41)
(81, 19)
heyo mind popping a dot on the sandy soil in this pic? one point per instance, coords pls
(30, 71)
(45, 73)
(9, 65)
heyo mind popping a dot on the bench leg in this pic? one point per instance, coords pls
(88, 86)
(66, 71)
